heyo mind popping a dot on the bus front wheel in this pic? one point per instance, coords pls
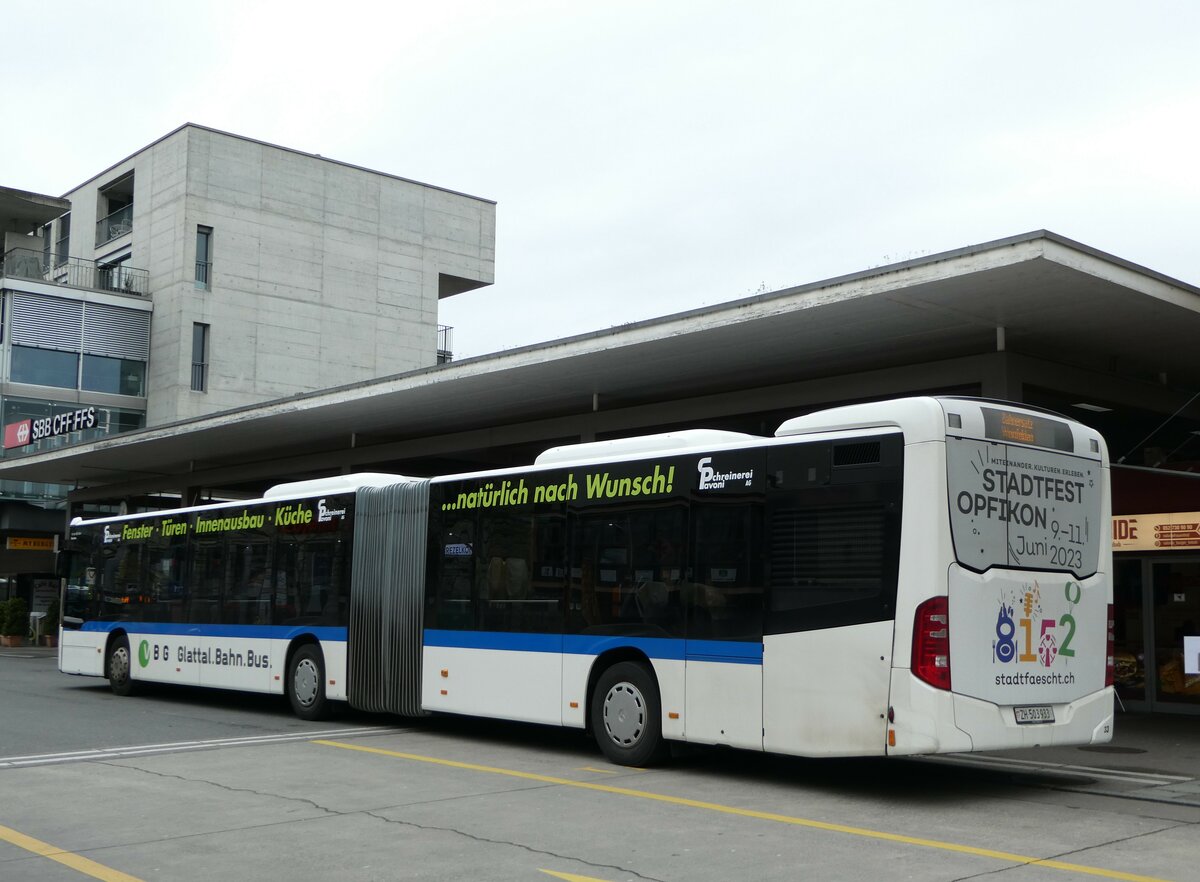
(306, 684)
(627, 715)
(120, 675)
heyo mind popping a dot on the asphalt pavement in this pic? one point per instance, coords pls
(1151, 756)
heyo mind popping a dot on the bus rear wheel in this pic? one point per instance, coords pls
(306, 684)
(120, 667)
(626, 715)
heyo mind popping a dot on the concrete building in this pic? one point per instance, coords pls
(303, 273)
(209, 271)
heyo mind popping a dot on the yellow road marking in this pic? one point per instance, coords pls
(750, 813)
(571, 877)
(74, 861)
(601, 771)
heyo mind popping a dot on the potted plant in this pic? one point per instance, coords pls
(16, 623)
(50, 624)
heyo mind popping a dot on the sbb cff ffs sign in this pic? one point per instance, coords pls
(29, 431)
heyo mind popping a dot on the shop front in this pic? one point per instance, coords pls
(1156, 605)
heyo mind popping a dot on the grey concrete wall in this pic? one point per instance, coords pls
(322, 273)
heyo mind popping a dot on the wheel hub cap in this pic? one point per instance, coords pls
(624, 714)
(304, 684)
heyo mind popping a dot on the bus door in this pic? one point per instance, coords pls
(723, 598)
(833, 540)
(237, 657)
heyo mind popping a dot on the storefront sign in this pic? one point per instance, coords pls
(30, 543)
(44, 593)
(1169, 531)
(28, 431)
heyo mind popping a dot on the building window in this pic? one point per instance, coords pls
(119, 376)
(204, 257)
(45, 367)
(62, 247)
(115, 209)
(199, 357)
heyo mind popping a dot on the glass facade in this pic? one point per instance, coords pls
(1156, 604)
(109, 421)
(45, 367)
(119, 376)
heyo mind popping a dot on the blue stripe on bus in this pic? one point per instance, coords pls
(192, 629)
(672, 648)
(675, 649)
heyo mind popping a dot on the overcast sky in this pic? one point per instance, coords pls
(650, 157)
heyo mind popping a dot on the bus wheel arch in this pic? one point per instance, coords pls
(118, 664)
(305, 684)
(625, 709)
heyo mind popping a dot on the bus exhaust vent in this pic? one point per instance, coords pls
(387, 589)
(862, 453)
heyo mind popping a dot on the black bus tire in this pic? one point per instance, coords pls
(119, 667)
(306, 683)
(626, 714)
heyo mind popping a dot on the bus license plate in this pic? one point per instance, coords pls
(1038, 713)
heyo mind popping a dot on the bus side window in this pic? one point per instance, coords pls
(247, 599)
(207, 579)
(164, 586)
(122, 598)
(626, 572)
(725, 597)
(833, 534)
(522, 583)
(451, 595)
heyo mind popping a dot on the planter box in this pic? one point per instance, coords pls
(11, 641)
(50, 640)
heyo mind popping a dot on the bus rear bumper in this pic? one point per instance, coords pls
(1087, 720)
(928, 721)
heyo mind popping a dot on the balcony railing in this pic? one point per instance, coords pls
(199, 376)
(26, 263)
(116, 224)
(445, 341)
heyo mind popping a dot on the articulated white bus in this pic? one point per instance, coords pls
(924, 575)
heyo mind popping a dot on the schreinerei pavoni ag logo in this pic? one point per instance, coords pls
(711, 479)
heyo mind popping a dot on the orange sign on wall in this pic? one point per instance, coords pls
(1170, 531)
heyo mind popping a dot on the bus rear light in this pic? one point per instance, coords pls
(1110, 658)
(931, 643)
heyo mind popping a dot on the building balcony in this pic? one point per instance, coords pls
(26, 263)
(445, 341)
(115, 225)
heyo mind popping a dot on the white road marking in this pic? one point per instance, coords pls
(1147, 779)
(108, 753)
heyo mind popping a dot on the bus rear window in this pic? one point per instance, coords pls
(1021, 507)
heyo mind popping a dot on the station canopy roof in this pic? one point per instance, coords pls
(1054, 298)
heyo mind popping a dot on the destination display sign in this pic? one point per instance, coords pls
(1016, 506)
(1026, 428)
